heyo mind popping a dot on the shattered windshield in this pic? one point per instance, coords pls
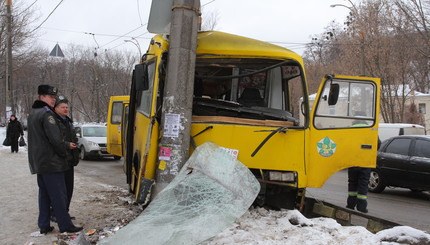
(211, 191)
(262, 89)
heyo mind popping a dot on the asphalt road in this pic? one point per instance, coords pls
(106, 171)
(398, 205)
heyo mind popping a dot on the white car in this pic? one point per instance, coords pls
(388, 130)
(92, 141)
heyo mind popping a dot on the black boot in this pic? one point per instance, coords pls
(362, 205)
(351, 202)
(72, 229)
(46, 230)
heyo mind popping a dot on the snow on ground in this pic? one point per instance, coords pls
(267, 227)
(288, 227)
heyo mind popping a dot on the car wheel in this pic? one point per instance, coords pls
(376, 183)
(134, 175)
(116, 157)
(83, 154)
(133, 185)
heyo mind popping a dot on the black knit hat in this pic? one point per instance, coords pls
(46, 89)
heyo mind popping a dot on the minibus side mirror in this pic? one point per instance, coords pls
(141, 76)
(333, 94)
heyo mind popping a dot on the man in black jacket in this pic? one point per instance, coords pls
(47, 159)
(66, 125)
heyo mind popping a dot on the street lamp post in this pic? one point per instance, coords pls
(136, 43)
(354, 11)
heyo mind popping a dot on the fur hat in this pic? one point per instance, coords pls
(46, 89)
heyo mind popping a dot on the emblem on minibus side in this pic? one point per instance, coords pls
(326, 147)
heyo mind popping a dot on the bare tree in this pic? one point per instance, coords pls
(209, 20)
(321, 55)
(22, 15)
(386, 39)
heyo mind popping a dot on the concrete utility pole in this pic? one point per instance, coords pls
(178, 95)
(8, 86)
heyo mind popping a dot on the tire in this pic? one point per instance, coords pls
(133, 185)
(116, 157)
(83, 154)
(376, 182)
(134, 175)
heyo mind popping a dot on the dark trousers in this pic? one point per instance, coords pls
(52, 191)
(14, 144)
(69, 177)
(358, 180)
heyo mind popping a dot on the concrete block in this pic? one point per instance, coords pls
(342, 215)
(323, 210)
(359, 220)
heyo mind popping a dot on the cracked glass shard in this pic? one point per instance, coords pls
(210, 192)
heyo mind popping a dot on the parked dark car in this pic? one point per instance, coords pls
(403, 161)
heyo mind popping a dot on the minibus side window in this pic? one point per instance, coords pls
(354, 108)
(145, 97)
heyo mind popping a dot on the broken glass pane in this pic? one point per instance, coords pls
(210, 192)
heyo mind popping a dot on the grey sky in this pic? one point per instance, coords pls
(289, 23)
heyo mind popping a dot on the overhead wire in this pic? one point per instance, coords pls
(125, 35)
(31, 5)
(120, 44)
(121, 36)
(138, 11)
(141, 35)
(208, 3)
(57, 29)
(100, 34)
(84, 32)
(52, 41)
(47, 17)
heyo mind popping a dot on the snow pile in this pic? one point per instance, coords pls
(290, 227)
(404, 235)
(3, 135)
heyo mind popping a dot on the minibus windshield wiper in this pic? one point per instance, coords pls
(280, 129)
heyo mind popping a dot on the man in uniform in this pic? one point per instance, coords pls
(66, 125)
(358, 177)
(47, 159)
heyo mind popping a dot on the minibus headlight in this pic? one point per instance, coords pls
(281, 176)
